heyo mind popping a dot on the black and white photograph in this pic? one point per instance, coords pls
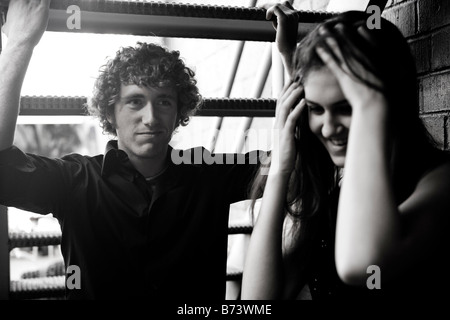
(216, 157)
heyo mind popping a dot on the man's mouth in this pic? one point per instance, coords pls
(150, 133)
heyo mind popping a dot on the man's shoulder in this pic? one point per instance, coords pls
(84, 160)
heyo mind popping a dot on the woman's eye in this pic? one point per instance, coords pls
(345, 109)
(315, 109)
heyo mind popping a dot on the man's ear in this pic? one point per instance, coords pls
(110, 117)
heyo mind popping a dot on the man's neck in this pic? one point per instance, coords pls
(149, 167)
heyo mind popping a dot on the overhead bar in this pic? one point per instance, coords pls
(172, 20)
(72, 106)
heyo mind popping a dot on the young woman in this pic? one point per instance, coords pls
(356, 202)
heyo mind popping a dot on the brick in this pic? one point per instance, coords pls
(391, 3)
(404, 17)
(440, 49)
(434, 92)
(421, 50)
(433, 14)
(447, 133)
(436, 127)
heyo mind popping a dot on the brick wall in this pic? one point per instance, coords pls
(426, 25)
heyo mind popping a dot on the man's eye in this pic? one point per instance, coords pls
(166, 103)
(135, 102)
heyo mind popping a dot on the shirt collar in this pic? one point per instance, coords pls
(116, 160)
(171, 177)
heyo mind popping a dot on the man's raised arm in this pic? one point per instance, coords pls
(25, 23)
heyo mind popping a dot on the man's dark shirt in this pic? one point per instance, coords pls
(132, 239)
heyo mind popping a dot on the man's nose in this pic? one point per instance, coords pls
(148, 113)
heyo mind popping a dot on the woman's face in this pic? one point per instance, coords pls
(329, 113)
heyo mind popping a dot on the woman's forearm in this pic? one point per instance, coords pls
(368, 220)
(263, 278)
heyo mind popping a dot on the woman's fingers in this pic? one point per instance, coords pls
(358, 49)
(291, 121)
(329, 61)
(287, 102)
(331, 50)
(273, 8)
(269, 12)
(361, 45)
(364, 32)
(289, 5)
(286, 87)
(284, 15)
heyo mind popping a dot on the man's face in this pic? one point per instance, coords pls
(145, 118)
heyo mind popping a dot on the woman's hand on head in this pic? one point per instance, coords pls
(357, 91)
(290, 105)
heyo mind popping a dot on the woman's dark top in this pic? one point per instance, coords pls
(427, 280)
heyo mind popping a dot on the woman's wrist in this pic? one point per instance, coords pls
(287, 58)
(278, 174)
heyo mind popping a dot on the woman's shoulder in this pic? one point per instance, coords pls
(431, 193)
(439, 174)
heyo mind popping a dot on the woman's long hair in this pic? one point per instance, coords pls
(314, 178)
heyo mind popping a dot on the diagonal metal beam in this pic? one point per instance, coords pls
(379, 3)
(4, 254)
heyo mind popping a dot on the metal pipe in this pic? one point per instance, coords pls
(261, 79)
(227, 91)
(277, 72)
(4, 254)
(229, 86)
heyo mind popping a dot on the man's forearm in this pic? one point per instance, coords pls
(14, 62)
(25, 24)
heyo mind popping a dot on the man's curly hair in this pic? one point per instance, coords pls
(148, 65)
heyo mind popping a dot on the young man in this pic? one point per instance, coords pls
(135, 223)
